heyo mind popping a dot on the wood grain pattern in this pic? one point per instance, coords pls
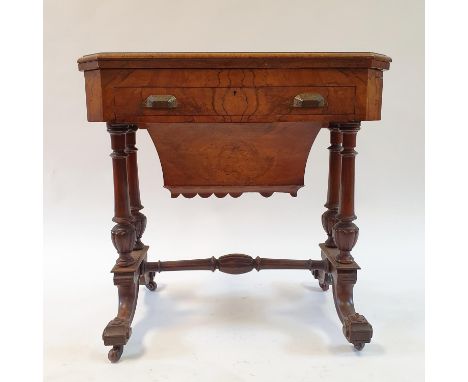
(209, 78)
(233, 158)
(94, 98)
(244, 102)
(227, 95)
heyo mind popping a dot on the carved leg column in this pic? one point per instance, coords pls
(356, 328)
(139, 219)
(329, 217)
(334, 180)
(345, 232)
(123, 234)
(134, 187)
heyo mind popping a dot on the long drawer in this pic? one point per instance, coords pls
(245, 103)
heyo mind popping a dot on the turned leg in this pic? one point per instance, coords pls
(334, 180)
(133, 186)
(139, 219)
(123, 234)
(345, 232)
(329, 217)
(128, 265)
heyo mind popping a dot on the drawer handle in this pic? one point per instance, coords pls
(312, 100)
(163, 101)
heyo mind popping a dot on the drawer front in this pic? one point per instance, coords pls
(244, 102)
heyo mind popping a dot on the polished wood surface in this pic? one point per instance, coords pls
(225, 124)
(329, 217)
(240, 60)
(235, 264)
(233, 95)
(232, 104)
(221, 159)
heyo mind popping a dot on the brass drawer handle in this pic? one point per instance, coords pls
(312, 100)
(164, 101)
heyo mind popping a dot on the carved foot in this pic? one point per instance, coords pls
(357, 330)
(343, 277)
(117, 332)
(115, 353)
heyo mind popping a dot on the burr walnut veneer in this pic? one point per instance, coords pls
(228, 123)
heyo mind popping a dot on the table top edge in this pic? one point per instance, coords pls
(251, 59)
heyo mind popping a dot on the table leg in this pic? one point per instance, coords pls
(329, 217)
(127, 270)
(345, 232)
(123, 234)
(118, 330)
(134, 187)
(139, 219)
(356, 328)
(334, 180)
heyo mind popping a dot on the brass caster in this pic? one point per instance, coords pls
(115, 353)
(324, 286)
(359, 346)
(152, 286)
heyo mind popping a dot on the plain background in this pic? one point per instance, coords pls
(202, 326)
